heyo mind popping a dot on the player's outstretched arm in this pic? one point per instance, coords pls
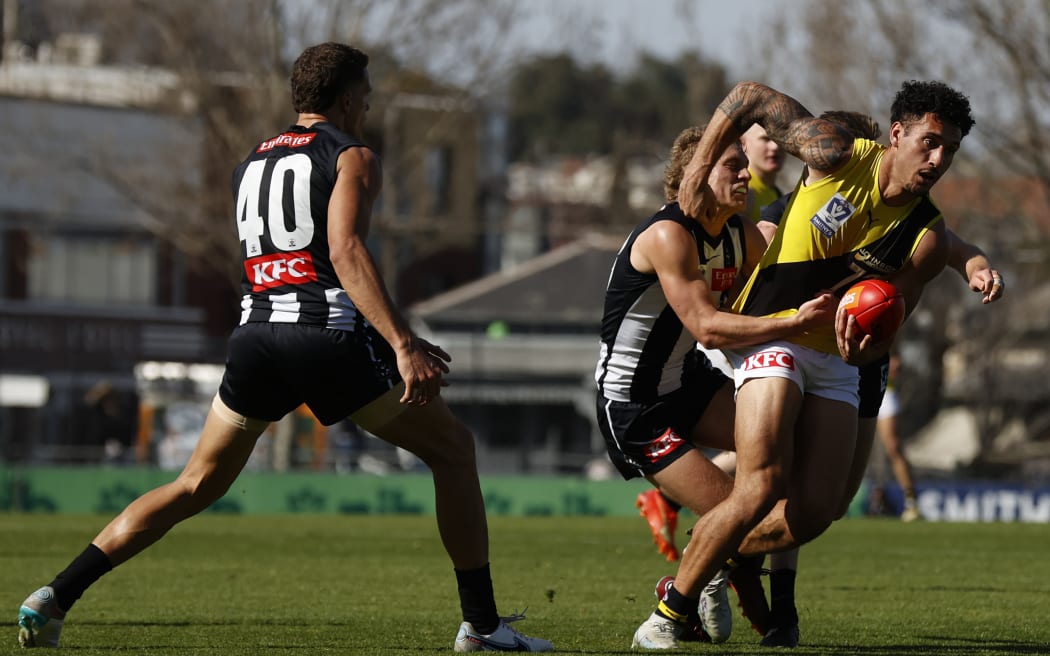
(973, 265)
(668, 250)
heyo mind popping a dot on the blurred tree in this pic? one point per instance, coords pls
(660, 97)
(559, 107)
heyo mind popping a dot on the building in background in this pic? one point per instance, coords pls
(524, 344)
(87, 289)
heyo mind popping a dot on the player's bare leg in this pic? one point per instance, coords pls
(217, 460)
(445, 445)
(819, 479)
(887, 431)
(221, 453)
(859, 465)
(693, 480)
(766, 412)
(690, 481)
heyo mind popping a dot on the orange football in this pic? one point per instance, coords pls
(877, 306)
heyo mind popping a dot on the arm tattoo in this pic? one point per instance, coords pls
(821, 144)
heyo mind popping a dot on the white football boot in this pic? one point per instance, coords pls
(40, 620)
(716, 614)
(504, 638)
(657, 632)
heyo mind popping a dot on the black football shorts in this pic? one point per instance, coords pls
(644, 438)
(872, 386)
(273, 368)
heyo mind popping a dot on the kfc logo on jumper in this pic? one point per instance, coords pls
(289, 139)
(271, 271)
(768, 360)
(663, 445)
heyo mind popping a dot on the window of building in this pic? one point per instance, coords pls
(92, 269)
(437, 167)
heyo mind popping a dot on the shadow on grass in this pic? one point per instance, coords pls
(976, 647)
(950, 646)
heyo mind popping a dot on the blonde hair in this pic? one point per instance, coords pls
(681, 154)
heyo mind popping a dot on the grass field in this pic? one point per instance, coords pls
(382, 585)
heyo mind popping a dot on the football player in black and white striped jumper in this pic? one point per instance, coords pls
(317, 327)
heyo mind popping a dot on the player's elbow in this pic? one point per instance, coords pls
(749, 89)
(711, 339)
(345, 252)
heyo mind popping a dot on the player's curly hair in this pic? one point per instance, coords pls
(681, 153)
(916, 99)
(322, 72)
(860, 125)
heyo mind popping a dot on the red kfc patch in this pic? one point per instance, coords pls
(769, 360)
(663, 445)
(269, 271)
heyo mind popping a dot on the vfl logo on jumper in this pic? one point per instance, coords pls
(830, 218)
(289, 139)
(663, 445)
(769, 360)
(270, 271)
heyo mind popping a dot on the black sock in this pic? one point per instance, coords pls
(477, 600)
(745, 562)
(671, 502)
(675, 606)
(85, 569)
(782, 595)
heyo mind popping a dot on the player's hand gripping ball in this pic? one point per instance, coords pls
(877, 306)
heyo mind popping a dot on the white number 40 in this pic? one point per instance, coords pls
(250, 225)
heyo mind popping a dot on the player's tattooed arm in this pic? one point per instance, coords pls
(823, 145)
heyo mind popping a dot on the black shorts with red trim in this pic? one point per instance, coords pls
(644, 438)
(273, 368)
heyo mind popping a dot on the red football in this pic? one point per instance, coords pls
(877, 306)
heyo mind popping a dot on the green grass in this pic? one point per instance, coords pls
(382, 585)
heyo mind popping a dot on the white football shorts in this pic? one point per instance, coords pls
(821, 374)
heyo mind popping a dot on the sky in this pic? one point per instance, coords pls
(619, 29)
